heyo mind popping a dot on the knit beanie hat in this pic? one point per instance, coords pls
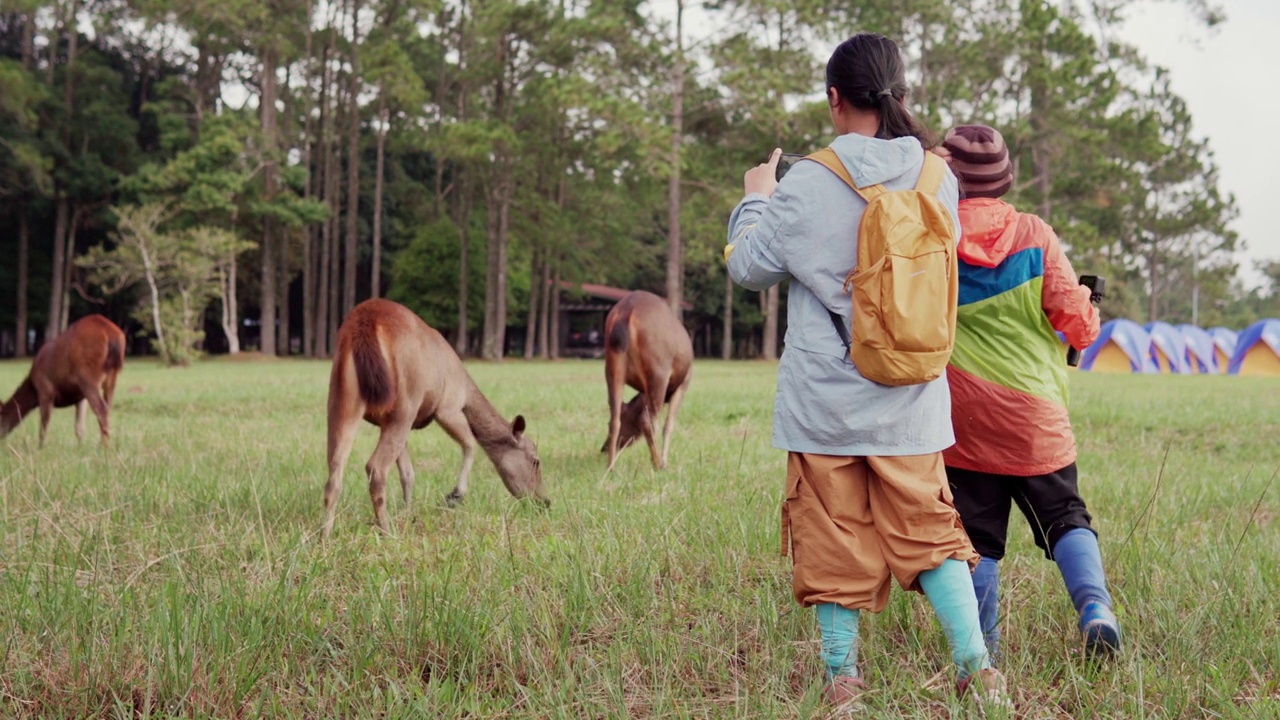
(980, 161)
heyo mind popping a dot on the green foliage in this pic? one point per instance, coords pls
(180, 267)
(424, 275)
(557, 116)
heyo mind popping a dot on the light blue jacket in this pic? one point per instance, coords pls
(807, 233)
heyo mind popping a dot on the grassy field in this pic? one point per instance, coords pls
(178, 573)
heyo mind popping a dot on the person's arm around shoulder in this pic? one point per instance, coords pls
(752, 255)
(1064, 299)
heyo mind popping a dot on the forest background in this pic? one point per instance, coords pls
(198, 170)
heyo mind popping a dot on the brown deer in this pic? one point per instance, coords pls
(398, 373)
(648, 349)
(78, 368)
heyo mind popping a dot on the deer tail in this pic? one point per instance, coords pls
(619, 336)
(115, 355)
(373, 377)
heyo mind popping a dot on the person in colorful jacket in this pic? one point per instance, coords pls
(866, 493)
(1008, 383)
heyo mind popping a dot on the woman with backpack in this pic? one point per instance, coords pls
(1014, 443)
(867, 499)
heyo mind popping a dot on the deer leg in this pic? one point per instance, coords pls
(458, 429)
(81, 411)
(615, 377)
(673, 408)
(391, 445)
(404, 466)
(653, 405)
(46, 411)
(109, 387)
(100, 410)
(342, 433)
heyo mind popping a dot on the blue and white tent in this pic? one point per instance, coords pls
(1224, 346)
(1123, 346)
(1258, 350)
(1199, 355)
(1168, 350)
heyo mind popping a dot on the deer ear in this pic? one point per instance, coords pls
(517, 426)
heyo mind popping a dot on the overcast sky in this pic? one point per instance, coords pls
(1228, 78)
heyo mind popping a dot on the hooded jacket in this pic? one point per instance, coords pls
(1008, 374)
(807, 233)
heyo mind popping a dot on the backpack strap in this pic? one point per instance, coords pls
(931, 174)
(827, 158)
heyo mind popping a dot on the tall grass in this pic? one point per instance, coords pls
(178, 573)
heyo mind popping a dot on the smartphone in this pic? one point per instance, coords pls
(784, 164)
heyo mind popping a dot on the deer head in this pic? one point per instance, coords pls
(519, 467)
(632, 424)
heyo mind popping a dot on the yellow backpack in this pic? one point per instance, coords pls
(905, 285)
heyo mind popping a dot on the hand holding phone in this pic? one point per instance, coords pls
(762, 179)
(1097, 287)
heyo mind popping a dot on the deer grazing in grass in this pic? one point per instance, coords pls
(398, 373)
(79, 368)
(648, 349)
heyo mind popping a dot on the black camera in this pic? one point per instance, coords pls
(1097, 287)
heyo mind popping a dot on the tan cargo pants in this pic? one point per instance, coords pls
(851, 523)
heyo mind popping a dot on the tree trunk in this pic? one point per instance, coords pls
(554, 340)
(535, 299)
(320, 161)
(309, 233)
(67, 264)
(24, 262)
(1153, 297)
(351, 257)
(283, 345)
(495, 291)
(463, 223)
(150, 273)
(726, 340)
(769, 343)
(62, 214)
(375, 273)
(28, 52)
(335, 248)
(675, 259)
(233, 340)
(545, 308)
(267, 251)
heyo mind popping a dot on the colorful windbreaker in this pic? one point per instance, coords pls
(1008, 372)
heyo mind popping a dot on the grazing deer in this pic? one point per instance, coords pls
(398, 373)
(78, 368)
(648, 349)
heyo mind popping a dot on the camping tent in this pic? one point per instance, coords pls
(1200, 353)
(1224, 346)
(1122, 347)
(1168, 351)
(1258, 349)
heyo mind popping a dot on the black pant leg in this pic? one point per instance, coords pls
(1053, 506)
(983, 502)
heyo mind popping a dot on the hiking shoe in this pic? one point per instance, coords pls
(989, 692)
(1100, 630)
(842, 692)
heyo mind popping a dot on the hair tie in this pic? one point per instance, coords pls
(882, 93)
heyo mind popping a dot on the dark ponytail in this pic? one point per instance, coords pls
(867, 71)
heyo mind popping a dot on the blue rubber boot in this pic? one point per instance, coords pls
(986, 585)
(1080, 562)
